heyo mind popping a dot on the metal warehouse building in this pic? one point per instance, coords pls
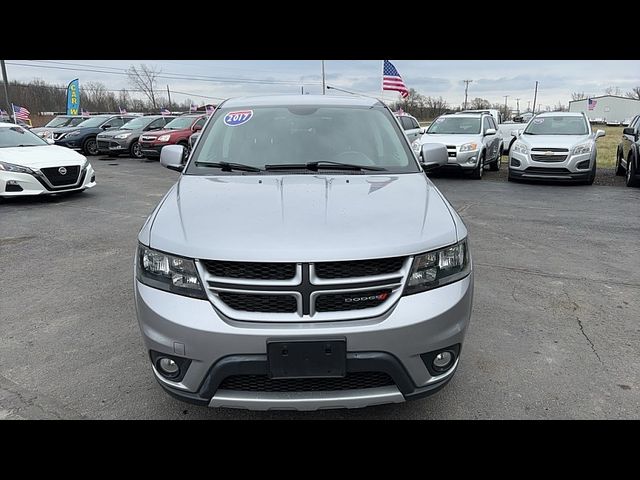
(607, 108)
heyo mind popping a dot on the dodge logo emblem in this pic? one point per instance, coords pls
(62, 171)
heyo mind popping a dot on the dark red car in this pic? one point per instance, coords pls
(176, 132)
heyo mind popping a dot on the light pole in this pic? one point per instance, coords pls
(535, 96)
(5, 82)
(466, 88)
(506, 107)
(518, 106)
(323, 82)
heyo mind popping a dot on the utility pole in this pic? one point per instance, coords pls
(323, 81)
(466, 88)
(169, 95)
(535, 96)
(5, 82)
(302, 89)
(506, 107)
(518, 106)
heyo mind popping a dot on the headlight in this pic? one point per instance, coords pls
(582, 148)
(122, 135)
(164, 138)
(416, 147)
(168, 272)
(440, 267)
(73, 134)
(469, 147)
(44, 134)
(520, 148)
(10, 167)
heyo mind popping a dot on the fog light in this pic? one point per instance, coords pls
(168, 366)
(584, 164)
(442, 360)
(472, 160)
(515, 163)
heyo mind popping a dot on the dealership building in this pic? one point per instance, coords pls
(607, 108)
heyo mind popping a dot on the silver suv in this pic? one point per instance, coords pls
(303, 260)
(472, 141)
(555, 146)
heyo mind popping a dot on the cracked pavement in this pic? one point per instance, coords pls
(554, 333)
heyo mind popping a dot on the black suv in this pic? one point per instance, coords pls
(83, 136)
(628, 155)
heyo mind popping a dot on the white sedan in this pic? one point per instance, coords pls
(30, 165)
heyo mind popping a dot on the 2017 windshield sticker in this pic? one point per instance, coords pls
(233, 119)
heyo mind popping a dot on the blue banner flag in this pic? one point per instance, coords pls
(73, 98)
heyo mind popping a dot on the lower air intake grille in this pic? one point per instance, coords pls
(260, 303)
(262, 383)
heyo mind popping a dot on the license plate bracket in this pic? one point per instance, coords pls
(303, 358)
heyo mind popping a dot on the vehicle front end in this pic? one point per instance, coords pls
(116, 142)
(71, 139)
(151, 143)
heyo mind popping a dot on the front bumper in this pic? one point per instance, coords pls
(522, 166)
(72, 142)
(35, 185)
(461, 160)
(151, 150)
(111, 145)
(218, 346)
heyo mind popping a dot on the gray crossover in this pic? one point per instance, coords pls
(303, 260)
(125, 140)
(555, 146)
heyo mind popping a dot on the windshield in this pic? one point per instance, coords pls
(367, 137)
(138, 123)
(93, 122)
(19, 137)
(455, 125)
(568, 125)
(180, 123)
(58, 122)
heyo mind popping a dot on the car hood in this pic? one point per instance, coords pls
(553, 141)
(157, 133)
(302, 218)
(449, 139)
(113, 133)
(41, 156)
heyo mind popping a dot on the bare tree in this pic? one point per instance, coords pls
(634, 93)
(613, 90)
(479, 103)
(145, 79)
(579, 96)
(561, 108)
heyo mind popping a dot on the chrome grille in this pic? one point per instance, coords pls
(295, 292)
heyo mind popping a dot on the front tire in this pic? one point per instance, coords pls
(592, 175)
(135, 151)
(631, 180)
(90, 146)
(479, 170)
(619, 170)
(185, 152)
(495, 166)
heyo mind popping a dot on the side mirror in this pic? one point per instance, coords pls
(514, 133)
(433, 156)
(171, 157)
(197, 128)
(600, 133)
(627, 131)
(106, 126)
(490, 131)
(423, 130)
(50, 141)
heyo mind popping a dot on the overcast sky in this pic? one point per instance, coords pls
(492, 79)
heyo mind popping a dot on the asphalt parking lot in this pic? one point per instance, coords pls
(554, 331)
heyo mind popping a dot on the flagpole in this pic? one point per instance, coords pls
(15, 119)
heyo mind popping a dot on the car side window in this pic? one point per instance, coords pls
(492, 122)
(156, 124)
(414, 123)
(115, 122)
(200, 123)
(485, 124)
(406, 123)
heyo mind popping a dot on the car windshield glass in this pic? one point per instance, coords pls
(138, 123)
(297, 135)
(560, 125)
(58, 122)
(180, 123)
(19, 137)
(455, 125)
(92, 122)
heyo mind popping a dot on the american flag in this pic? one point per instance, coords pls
(591, 103)
(164, 111)
(20, 113)
(123, 111)
(391, 79)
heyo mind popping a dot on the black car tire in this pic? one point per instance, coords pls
(135, 151)
(510, 177)
(477, 172)
(90, 146)
(592, 175)
(619, 170)
(186, 151)
(631, 179)
(495, 166)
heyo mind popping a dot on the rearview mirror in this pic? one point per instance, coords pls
(629, 131)
(171, 157)
(106, 126)
(490, 131)
(600, 133)
(433, 156)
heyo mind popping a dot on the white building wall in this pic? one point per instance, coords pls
(608, 108)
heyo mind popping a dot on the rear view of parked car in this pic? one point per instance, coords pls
(126, 139)
(83, 136)
(628, 153)
(176, 132)
(58, 122)
(30, 165)
(558, 146)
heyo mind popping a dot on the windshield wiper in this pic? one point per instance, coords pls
(314, 166)
(227, 166)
